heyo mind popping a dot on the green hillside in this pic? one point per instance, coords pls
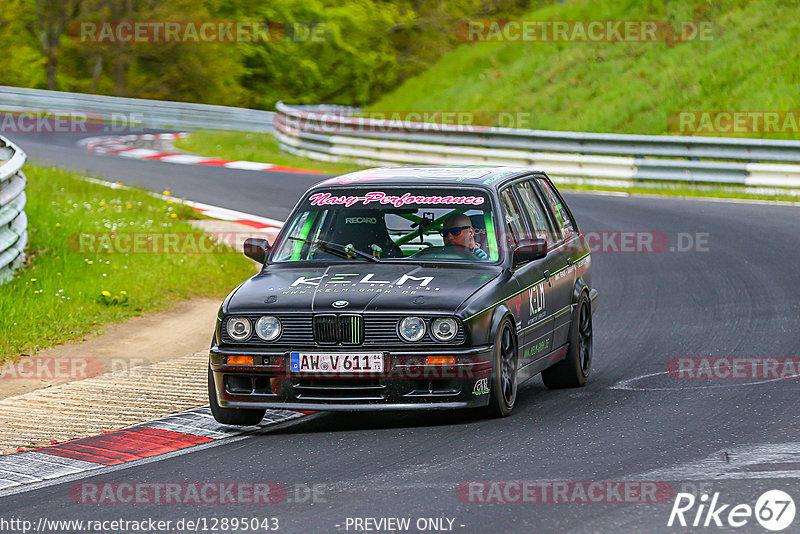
(750, 63)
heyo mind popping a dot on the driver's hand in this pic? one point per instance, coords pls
(480, 253)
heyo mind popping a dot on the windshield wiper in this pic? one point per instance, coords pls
(344, 251)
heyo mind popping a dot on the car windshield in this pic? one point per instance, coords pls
(391, 224)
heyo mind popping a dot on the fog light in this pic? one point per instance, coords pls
(440, 360)
(240, 360)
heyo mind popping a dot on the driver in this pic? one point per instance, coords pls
(457, 231)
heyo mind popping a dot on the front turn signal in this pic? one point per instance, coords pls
(240, 360)
(440, 360)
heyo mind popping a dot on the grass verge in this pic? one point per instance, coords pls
(260, 147)
(59, 295)
(746, 61)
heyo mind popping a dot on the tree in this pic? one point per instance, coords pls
(52, 17)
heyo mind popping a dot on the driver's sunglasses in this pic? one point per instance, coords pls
(455, 232)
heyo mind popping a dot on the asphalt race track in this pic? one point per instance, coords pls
(737, 294)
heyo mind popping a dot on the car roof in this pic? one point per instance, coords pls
(491, 176)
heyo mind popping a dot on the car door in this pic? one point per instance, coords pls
(561, 275)
(532, 305)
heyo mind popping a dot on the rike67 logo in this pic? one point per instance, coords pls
(774, 510)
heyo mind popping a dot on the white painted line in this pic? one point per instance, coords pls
(139, 153)
(17, 476)
(16, 489)
(185, 159)
(7, 484)
(187, 429)
(32, 467)
(119, 145)
(231, 215)
(215, 212)
(108, 148)
(248, 165)
(45, 465)
(628, 384)
(739, 462)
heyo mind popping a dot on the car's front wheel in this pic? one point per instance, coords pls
(503, 383)
(573, 370)
(231, 416)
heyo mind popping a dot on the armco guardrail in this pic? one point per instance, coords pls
(13, 222)
(140, 112)
(331, 133)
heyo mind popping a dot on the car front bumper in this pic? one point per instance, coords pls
(407, 383)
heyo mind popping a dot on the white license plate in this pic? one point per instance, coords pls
(332, 363)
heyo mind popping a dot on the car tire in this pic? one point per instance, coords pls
(503, 382)
(231, 416)
(573, 370)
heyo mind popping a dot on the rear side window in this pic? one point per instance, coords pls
(536, 214)
(557, 209)
(513, 217)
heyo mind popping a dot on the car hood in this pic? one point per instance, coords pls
(359, 287)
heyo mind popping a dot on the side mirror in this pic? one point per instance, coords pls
(256, 249)
(530, 250)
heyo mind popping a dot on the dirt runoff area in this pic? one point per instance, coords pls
(154, 337)
(185, 329)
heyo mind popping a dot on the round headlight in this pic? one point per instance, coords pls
(412, 328)
(268, 328)
(239, 328)
(444, 329)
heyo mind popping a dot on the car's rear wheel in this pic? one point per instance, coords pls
(231, 416)
(573, 370)
(503, 382)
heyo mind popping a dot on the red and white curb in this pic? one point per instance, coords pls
(177, 432)
(121, 146)
(215, 212)
(260, 223)
(144, 442)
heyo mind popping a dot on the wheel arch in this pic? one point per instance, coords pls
(500, 314)
(580, 288)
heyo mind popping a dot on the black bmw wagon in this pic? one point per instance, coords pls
(408, 288)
